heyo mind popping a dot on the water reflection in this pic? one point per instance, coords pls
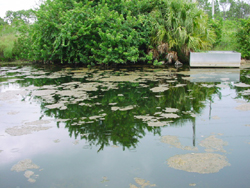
(100, 107)
(243, 88)
(132, 110)
(212, 75)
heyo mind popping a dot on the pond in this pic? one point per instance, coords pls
(124, 128)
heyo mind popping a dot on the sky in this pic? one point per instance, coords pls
(15, 5)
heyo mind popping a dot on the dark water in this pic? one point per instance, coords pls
(69, 127)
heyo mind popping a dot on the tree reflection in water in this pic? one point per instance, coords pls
(88, 113)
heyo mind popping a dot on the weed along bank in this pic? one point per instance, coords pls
(215, 59)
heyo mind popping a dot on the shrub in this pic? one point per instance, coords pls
(243, 38)
(86, 33)
(217, 25)
(114, 31)
(228, 39)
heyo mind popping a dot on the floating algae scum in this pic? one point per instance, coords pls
(75, 127)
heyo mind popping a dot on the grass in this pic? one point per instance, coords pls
(7, 42)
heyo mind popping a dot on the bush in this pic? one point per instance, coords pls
(228, 39)
(87, 33)
(113, 31)
(243, 38)
(217, 25)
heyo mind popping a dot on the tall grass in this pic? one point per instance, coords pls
(7, 41)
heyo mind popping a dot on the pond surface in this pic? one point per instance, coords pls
(124, 128)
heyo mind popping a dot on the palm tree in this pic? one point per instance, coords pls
(181, 26)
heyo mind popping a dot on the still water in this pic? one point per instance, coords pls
(124, 128)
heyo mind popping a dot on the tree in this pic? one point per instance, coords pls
(206, 6)
(225, 6)
(238, 9)
(27, 16)
(182, 26)
(114, 31)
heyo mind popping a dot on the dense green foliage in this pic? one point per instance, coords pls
(243, 38)
(226, 22)
(114, 31)
(86, 34)
(182, 26)
(11, 26)
(120, 31)
(217, 25)
(228, 41)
